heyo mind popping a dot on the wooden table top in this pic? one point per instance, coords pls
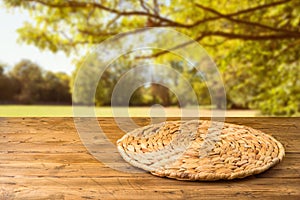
(43, 158)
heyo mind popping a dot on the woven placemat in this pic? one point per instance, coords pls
(191, 150)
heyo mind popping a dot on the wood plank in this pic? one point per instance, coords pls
(124, 188)
(59, 132)
(63, 165)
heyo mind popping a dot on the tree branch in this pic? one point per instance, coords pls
(252, 37)
(258, 8)
(97, 33)
(156, 7)
(111, 22)
(246, 22)
(236, 13)
(223, 34)
(76, 4)
(142, 3)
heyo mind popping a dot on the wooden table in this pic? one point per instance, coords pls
(43, 158)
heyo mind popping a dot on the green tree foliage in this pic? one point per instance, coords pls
(29, 79)
(1, 69)
(255, 43)
(56, 88)
(7, 86)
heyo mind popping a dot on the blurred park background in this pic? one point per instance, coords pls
(254, 43)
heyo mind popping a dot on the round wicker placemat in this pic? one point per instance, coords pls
(178, 149)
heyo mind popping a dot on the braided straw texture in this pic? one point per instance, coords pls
(179, 150)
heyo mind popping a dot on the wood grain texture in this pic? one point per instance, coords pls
(44, 158)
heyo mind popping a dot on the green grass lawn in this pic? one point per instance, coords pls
(67, 111)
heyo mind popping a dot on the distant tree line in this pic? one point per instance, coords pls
(27, 83)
